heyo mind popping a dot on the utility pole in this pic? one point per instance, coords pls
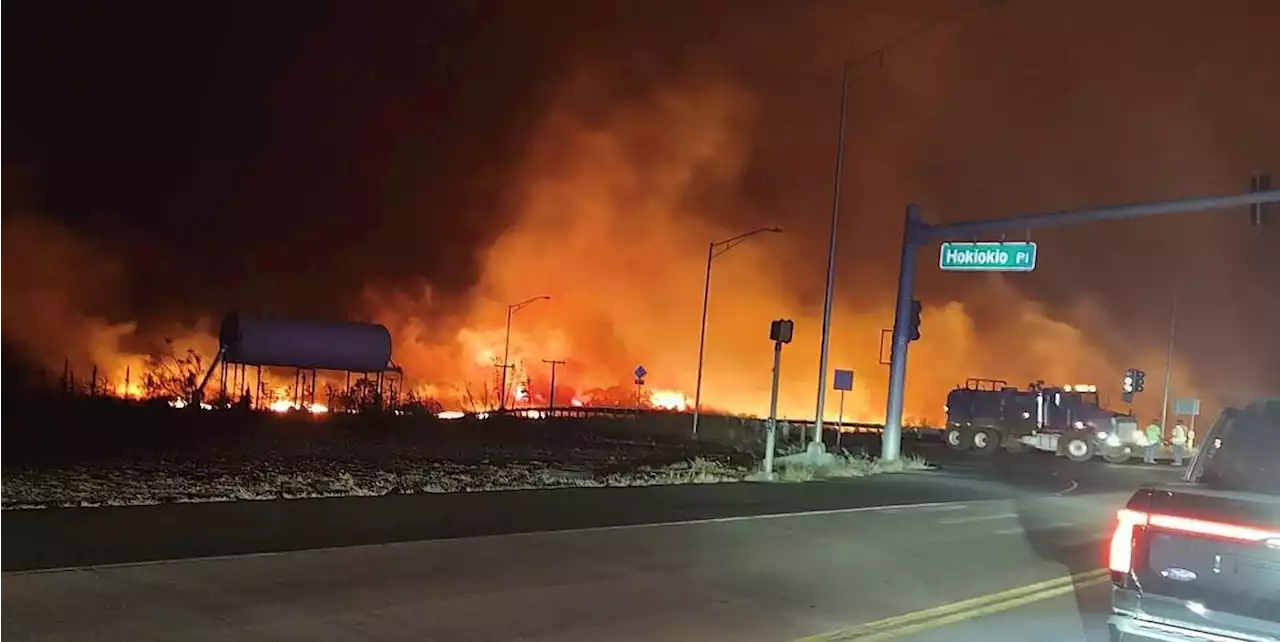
(917, 233)
(551, 398)
(828, 302)
(502, 376)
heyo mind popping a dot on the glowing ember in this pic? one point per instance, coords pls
(668, 400)
(129, 391)
(284, 405)
(576, 403)
(451, 414)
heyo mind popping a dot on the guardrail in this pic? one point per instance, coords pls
(583, 412)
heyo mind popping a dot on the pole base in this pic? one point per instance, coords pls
(817, 454)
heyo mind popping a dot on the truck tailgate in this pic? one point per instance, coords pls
(1210, 559)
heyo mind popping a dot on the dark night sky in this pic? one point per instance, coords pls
(177, 132)
(287, 155)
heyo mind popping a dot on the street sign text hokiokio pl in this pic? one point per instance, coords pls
(988, 257)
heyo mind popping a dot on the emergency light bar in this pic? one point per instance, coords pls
(1080, 387)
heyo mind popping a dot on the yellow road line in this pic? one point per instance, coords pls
(937, 616)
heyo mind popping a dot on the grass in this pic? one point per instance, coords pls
(157, 482)
(846, 465)
(104, 452)
(143, 484)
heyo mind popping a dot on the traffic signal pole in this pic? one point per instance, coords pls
(916, 233)
(912, 239)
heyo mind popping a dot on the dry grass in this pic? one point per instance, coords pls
(158, 484)
(142, 484)
(847, 465)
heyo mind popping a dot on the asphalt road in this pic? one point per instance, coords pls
(725, 562)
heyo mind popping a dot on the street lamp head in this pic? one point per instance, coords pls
(516, 306)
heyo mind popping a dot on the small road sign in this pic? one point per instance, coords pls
(640, 372)
(988, 257)
(844, 380)
(1186, 407)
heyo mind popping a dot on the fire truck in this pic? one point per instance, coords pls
(985, 415)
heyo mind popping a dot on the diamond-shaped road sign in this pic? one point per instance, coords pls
(640, 372)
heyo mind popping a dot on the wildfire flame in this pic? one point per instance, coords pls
(668, 400)
(282, 405)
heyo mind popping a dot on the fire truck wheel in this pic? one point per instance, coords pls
(985, 441)
(1015, 447)
(1078, 448)
(956, 439)
(1117, 455)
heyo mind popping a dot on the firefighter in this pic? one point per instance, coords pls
(1155, 435)
(1179, 440)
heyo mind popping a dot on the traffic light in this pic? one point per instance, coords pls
(1260, 213)
(1127, 386)
(1139, 381)
(914, 326)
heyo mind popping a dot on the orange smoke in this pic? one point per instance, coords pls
(52, 279)
(612, 224)
(613, 212)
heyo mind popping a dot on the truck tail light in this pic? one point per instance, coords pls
(1121, 556)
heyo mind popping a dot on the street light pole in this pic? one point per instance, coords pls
(702, 336)
(506, 347)
(506, 351)
(1168, 358)
(714, 249)
(828, 302)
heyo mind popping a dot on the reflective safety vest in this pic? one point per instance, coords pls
(1154, 434)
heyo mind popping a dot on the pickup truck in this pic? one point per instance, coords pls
(1200, 559)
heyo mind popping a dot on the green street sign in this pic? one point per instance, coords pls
(988, 257)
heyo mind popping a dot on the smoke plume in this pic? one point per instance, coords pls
(645, 138)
